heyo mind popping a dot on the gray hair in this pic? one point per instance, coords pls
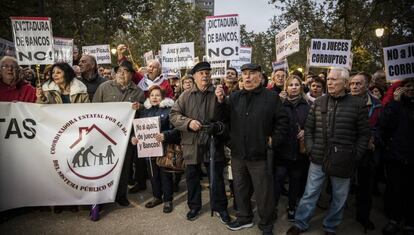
(344, 73)
(8, 58)
(155, 61)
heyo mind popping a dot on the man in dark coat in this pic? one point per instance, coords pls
(194, 110)
(347, 124)
(256, 118)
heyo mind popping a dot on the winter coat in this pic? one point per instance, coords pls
(397, 129)
(17, 91)
(110, 91)
(171, 135)
(194, 104)
(93, 84)
(52, 94)
(253, 117)
(350, 125)
(297, 114)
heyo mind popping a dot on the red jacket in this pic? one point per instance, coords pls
(22, 91)
(389, 95)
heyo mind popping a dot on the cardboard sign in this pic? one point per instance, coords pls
(148, 56)
(222, 37)
(145, 131)
(102, 53)
(218, 68)
(245, 58)
(287, 41)
(33, 40)
(7, 48)
(399, 61)
(177, 56)
(276, 65)
(63, 49)
(330, 53)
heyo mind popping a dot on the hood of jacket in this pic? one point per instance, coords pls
(165, 103)
(76, 87)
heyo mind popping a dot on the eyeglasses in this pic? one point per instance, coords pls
(9, 67)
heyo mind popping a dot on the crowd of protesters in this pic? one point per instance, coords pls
(268, 133)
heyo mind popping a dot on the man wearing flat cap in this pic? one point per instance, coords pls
(195, 114)
(257, 123)
(122, 89)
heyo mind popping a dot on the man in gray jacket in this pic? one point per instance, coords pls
(193, 113)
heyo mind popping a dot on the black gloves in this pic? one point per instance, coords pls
(215, 128)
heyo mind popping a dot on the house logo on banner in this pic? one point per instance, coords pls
(83, 152)
(222, 37)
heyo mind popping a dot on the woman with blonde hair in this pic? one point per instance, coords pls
(290, 158)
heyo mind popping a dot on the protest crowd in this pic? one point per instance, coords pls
(339, 132)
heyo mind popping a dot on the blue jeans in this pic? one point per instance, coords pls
(307, 205)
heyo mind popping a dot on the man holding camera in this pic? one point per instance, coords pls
(196, 115)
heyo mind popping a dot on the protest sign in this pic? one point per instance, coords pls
(222, 37)
(62, 154)
(7, 48)
(218, 68)
(149, 55)
(330, 53)
(399, 61)
(145, 131)
(102, 53)
(33, 40)
(287, 41)
(177, 56)
(276, 65)
(63, 49)
(245, 58)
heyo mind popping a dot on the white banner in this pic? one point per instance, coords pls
(7, 48)
(276, 65)
(287, 41)
(245, 58)
(330, 53)
(102, 53)
(222, 37)
(145, 131)
(399, 61)
(62, 154)
(33, 40)
(63, 48)
(177, 56)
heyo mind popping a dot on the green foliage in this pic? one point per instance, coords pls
(347, 19)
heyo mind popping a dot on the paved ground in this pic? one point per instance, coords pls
(136, 219)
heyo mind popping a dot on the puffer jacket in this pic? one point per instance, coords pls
(171, 135)
(297, 114)
(350, 126)
(78, 93)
